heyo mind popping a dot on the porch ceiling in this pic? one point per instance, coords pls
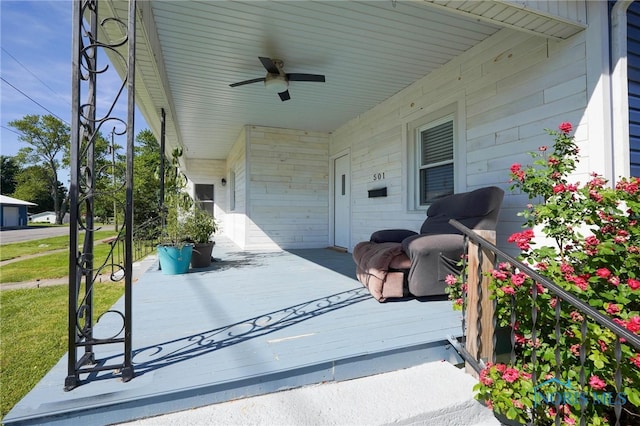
(189, 52)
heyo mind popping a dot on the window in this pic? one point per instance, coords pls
(232, 191)
(204, 197)
(434, 152)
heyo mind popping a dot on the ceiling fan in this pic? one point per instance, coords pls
(277, 80)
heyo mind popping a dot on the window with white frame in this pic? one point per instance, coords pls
(435, 160)
(205, 197)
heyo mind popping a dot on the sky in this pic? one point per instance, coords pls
(35, 66)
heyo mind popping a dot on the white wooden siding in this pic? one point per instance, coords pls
(289, 188)
(508, 89)
(235, 221)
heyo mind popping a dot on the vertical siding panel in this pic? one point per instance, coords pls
(633, 72)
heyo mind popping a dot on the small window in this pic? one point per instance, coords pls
(435, 161)
(204, 197)
(232, 191)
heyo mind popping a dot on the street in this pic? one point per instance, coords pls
(36, 233)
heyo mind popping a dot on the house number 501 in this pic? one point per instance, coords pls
(378, 176)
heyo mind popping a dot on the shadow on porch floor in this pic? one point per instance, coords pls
(252, 323)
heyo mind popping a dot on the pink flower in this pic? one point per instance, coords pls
(510, 375)
(597, 383)
(522, 239)
(575, 349)
(541, 266)
(504, 266)
(633, 283)
(499, 275)
(501, 367)
(543, 148)
(635, 360)
(603, 345)
(565, 127)
(603, 273)
(517, 172)
(595, 195)
(566, 268)
(518, 279)
(559, 188)
(591, 241)
(633, 324)
(450, 279)
(614, 281)
(508, 289)
(612, 308)
(484, 377)
(575, 315)
(580, 282)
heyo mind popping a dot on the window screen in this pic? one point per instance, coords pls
(436, 178)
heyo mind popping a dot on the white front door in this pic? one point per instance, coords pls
(341, 201)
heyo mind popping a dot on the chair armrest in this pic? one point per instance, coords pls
(391, 235)
(447, 244)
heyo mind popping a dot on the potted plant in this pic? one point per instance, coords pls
(199, 227)
(174, 252)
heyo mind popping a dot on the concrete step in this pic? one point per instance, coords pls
(435, 393)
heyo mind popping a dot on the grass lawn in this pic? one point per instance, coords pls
(33, 331)
(14, 250)
(54, 265)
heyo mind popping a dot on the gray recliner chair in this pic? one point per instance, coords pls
(398, 263)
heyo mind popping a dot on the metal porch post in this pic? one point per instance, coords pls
(86, 129)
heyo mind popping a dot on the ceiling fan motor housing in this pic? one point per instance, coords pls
(276, 82)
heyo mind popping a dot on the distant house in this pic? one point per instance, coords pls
(13, 212)
(47, 217)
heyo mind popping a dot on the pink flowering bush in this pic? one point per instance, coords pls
(592, 250)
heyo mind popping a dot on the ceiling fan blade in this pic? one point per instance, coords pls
(269, 65)
(284, 96)
(242, 83)
(305, 77)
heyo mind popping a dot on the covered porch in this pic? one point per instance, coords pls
(255, 322)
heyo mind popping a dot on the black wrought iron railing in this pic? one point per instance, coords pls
(482, 331)
(145, 239)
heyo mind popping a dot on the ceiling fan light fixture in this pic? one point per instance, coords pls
(276, 84)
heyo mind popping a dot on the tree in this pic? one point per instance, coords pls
(9, 169)
(29, 188)
(146, 180)
(48, 139)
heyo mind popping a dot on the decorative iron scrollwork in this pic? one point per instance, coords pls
(87, 124)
